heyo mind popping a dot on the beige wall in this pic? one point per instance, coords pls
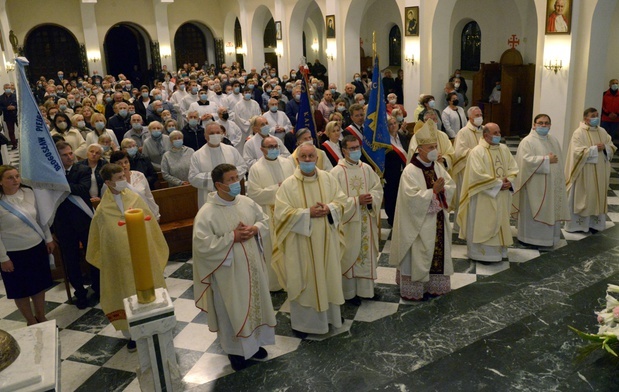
(23, 15)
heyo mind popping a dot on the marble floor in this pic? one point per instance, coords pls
(503, 327)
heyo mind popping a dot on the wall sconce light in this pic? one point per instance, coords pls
(330, 52)
(94, 56)
(315, 46)
(409, 57)
(279, 52)
(9, 66)
(241, 50)
(556, 66)
(229, 48)
(165, 52)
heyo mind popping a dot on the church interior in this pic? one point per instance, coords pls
(503, 327)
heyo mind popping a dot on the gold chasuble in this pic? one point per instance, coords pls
(108, 250)
(486, 166)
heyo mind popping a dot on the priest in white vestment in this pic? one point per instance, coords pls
(233, 132)
(486, 198)
(265, 178)
(243, 111)
(421, 239)
(304, 136)
(360, 224)
(208, 157)
(308, 210)
(466, 139)
(446, 151)
(230, 280)
(260, 129)
(587, 174)
(278, 122)
(540, 198)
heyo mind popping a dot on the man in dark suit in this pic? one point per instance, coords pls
(8, 106)
(72, 222)
(120, 122)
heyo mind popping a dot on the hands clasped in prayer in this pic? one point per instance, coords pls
(319, 210)
(553, 158)
(243, 232)
(439, 185)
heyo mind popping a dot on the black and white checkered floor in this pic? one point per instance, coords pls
(94, 354)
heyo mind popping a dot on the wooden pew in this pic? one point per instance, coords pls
(178, 207)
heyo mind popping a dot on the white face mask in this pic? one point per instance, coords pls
(478, 121)
(121, 185)
(215, 139)
(433, 155)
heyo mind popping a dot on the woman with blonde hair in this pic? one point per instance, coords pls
(332, 146)
(98, 123)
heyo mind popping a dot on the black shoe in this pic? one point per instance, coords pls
(299, 334)
(237, 362)
(355, 301)
(260, 354)
(81, 302)
(132, 346)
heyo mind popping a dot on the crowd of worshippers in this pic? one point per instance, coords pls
(281, 210)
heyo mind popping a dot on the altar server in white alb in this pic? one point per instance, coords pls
(421, 240)
(486, 198)
(265, 178)
(587, 174)
(365, 195)
(230, 279)
(540, 199)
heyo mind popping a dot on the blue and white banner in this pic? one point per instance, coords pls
(376, 137)
(305, 117)
(40, 164)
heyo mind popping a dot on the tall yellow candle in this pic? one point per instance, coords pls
(140, 258)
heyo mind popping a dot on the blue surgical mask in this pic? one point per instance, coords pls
(307, 167)
(193, 122)
(399, 119)
(178, 143)
(333, 91)
(273, 109)
(264, 130)
(123, 112)
(594, 122)
(355, 155)
(248, 96)
(203, 97)
(132, 151)
(144, 95)
(542, 131)
(432, 104)
(496, 139)
(81, 124)
(158, 97)
(235, 189)
(273, 153)
(156, 134)
(194, 90)
(136, 126)
(63, 107)
(237, 90)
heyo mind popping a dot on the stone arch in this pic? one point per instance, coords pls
(51, 48)
(262, 16)
(128, 50)
(194, 42)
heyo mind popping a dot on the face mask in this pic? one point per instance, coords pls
(332, 91)
(119, 186)
(251, 86)
(355, 155)
(362, 102)
(62, 126)
(496, 139)
(60, 77)
(235, 189)
(237, 90)
(144, 95)
(194, 90)
(358, 79)
(341, 108)
(247, 97)
(215, 139)
(157, 97)
(99, 125)
(203, 97)
(52, 116)
(108, 100)
(294, 75)
(132, 112)
(265, 130)
(219, 92)
(297, 97)
(614, 87)
(122, 112)
(8, 91)
(193, 122)
(542, 131)
(478, 121)
(159, 110)
(273, 109)
(399, 119)
(178, 143)
(307, 167)
(182, 87)
(455, 102)
(136, 126)
(457, 75)
(433, 155)
(268, 90)
(106, 148)
(594, 122)
(128, 86)
(156, 134)
(498, 88)
(71, 101)
(63, 107)
(132, 151)
(273, 153)
(392, 101)
(81, 124)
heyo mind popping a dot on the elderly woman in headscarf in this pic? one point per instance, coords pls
(156, 145)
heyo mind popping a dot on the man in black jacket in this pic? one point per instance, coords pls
(72, 222)
(120, 122)
(8, 106)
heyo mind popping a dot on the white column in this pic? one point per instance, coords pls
(247, 49)
(91, 38)
(9, 55)
(163, 32)
(335, 46)
(283, 59)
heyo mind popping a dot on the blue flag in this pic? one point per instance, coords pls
(40, 164)
(376, 137)
(305, 117)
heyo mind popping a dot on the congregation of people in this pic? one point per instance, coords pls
(281, 208)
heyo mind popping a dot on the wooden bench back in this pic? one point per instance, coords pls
(176, 203)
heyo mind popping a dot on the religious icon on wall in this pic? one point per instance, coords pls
(412, 21)
(330, 26)
(558, 16)
(278, 30)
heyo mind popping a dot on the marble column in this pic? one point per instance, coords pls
(163, 32)
(91, 38)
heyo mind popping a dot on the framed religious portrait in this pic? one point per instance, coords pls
(558, 16)
(412, 22)
(330, 19)
(278, 30)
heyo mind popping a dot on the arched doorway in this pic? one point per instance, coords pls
(50, 49)
(270, 43)
(470, 52)
(238, 41)
(127, 50)
(395, 47)
(194, 43)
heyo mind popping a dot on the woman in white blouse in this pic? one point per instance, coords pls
(137, 181)
(24, 247)
(454, 118)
